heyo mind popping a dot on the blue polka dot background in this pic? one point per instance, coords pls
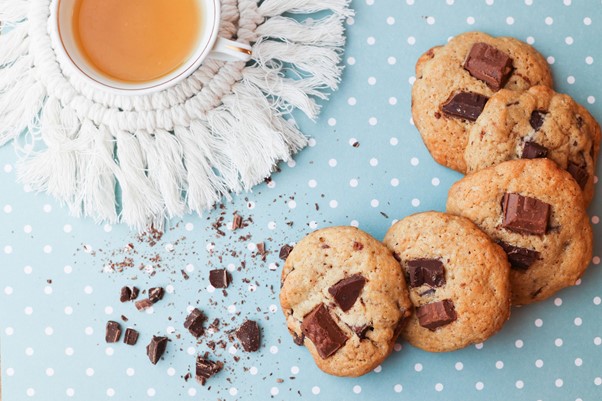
(366, 166)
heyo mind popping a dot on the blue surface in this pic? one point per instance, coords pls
(52, 334)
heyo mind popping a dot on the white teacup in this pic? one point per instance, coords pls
(209, 44)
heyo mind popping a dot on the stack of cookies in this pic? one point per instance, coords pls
(515, 232)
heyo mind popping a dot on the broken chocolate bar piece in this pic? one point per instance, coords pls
(426, 271)
(249, 335)
(236, 221)
(346, 291)
(519, 258)
(135, 292)
(126, 294)
(525, 215)
(323, 331)
(489, 64)
(465, 105)
(113, 332)
(143, 304)
(206, 369)
(156, 348)
(194, 323)
(219, 278)
(536, 119)
(579, 173)
(436, 314)
(532, 150)
(130, 337)
(156, 294)
(285, 251)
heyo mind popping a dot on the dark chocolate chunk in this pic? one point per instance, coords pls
(156, 348)
(113, 332)
(489, 64)
(249, 336)
(346, 291)
(156, 294)
(143, 304)
(357, 246)
(206, 369)
(579, 173)
(426, 271)
(533, 150)
(519, 258)
(298, 339)
(323, 331)
(194, 323)
(361, 331)
(436, 314)
(536, 119)
(135, 292)
(525, 215)
(261, 249)
(285, 251)
(126, 294)
(219, 278)
(130, 337)
(236, 221)
(465, 105)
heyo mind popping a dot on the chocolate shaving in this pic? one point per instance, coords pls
(285, 251)
(143, 304)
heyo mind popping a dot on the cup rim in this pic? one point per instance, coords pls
(198, 55)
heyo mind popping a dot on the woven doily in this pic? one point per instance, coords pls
(140, 160)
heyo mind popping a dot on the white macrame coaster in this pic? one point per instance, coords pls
(142, 160)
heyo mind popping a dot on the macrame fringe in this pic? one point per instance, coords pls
(186, 158)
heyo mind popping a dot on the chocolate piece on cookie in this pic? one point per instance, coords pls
(579, 173)
(532, 150)
(323, 331)
(346, 291)
(519, 258)
(524, 214)
(489, 64)
(426, 271)
(436, 314)
(536, 119)
(465, 105)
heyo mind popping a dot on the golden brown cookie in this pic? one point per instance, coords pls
(344, 297)
(454, 81)
(458, 279)
(535, 211)
(533, 124)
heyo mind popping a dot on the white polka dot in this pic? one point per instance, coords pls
(27, 269)
(253, 370)
(233, 391)
(459, 366)
(68, 310)
(354, 223)
(251, 204)
(479, 386)
(518, 344)
(273, 349)
(108, 310)
(315, 390)
(596, 260)
(7, 209)
(558, 382)
(374, 203)
(392, 101)
(538, 363)
(578, 321)
(48, 331)
(312, 142)
(67, 269)
(587, 21)
(372, 121)
(350, 21)
(47, 249)
(151, 392)
(8, 249)
(109, 351)
(357, 389)
(8, 168)
(411, 40)
(29, 351)
(88, 289)
(9, 331)
(67, 228)
(430, 20)
(578, 362)
(478, 345)
(592, 100)
(418, 367)
(110, 392)
(353, 182)
(415, 202)
(371, 40)
(27, 229)
(291, 204)
(332, 162)
(489, 2)
(28, 310)
(171, 371)
(47, 208)
(558, 301)
(378, 369)
(394, 182)
(30, 392)
(391, 60)
(538, 322)
(192, 391)
(510, 20)
(558, 342)
(89, 331)
(597, 300)
(352, 101)
(570, 79)
(470, 20)
(10, 372)
(411, 80)
(130, 372)
(519, 384)
(89, 372)
(499, 365)
(294, 370)
(598, 381)
(70, 392)
(551, 59)
(8, 290)
(47, 290)
(410, 2)
(397, 347)
(274, 391)
(398, 388)
(231, 308)
(530, 40)
(393, 141)
(439, 387)
(567, 2)
(549, 20)
(568, 40)
(332, 122)
(333, 204)
(390, 20)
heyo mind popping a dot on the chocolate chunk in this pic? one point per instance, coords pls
(537, 118)
(113, 332)
(323, 331)
(525, 215)
(426, 271)
(285, 251)
(156, 294)
(357, 246)
(249, 336)
(130, 337)
(156, 348)
(436, 314)
(219, 278)
(533, 150)
(519, 258)
(465, 105)
(206, 369)
(236, 222)
(361, 331)
(126, 294)
(346, 291)
(261, 249)
(194, 323)
(579, 173)
(489, 64)
(143, 304)
(135, 292)
(298, 339)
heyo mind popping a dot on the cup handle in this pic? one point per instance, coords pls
(228, 50)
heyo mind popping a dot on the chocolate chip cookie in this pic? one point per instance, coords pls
(536, 212)
(344, 297)
(454, 82)
(458, 279)
(533, 124)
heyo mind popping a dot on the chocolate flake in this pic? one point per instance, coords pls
(467, 105)
(126, 294)
(525, 215)
(219, 278)
(346, 291)
(130, 337)
(135, 292)
(285, 251)
(489, 64)
(156, 348)
(143, 304)
(156, 294)
(323, 331)
(532, 150)
(436, 314)
(249, 335)
(537, 118)
(579, 173)
(236, 222)
(519, 258)
(113, 332)
(426, 271)
(206, 369)
(194, 323)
